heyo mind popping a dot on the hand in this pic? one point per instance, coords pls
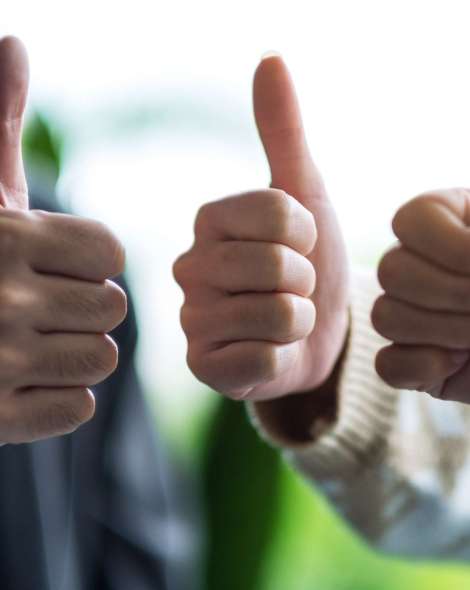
(254, 329)
(425, 310)
(56, 303)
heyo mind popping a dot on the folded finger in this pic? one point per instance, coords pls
(410, 278)
(435, 227)
(265, 216)
(68, 305)
(67, 360)
(39, 413)
(408, 324)
(236, 368)
(74, 247)
(279, 317)
(418, 367)
(236, 267)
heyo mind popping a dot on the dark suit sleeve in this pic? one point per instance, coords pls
(134, 510)
(143, 528)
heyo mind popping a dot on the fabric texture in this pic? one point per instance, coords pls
(395, 464)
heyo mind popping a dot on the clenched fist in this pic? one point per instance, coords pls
(425, 310)
(56, 303)
(265, 282)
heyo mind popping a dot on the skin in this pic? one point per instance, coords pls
(56, 300)
(266, 280)
(266, 283)
(425, 309)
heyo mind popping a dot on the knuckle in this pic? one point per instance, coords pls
(114, 249)
(104, 359)
(277, 264)
(226, 264)
(64, 364)
(13, 363)
(409, 214)
(267, 362)
(69, 303)
(103, 307)
(62, 417)
(287, 314)
(181, 268)
(380, 315)
(95, 363)
(11, 243)
(203, 218)
(197, 366)
(93, 237)
(385, 367)
(11, 305)
(187, 319)
(205, 370)
(311, 233)
(115, 303)
(94, 240)
(58, 417)
(39, 215)
(279, 212)
(310, 278)
(388, 269)
(400, 221)
(227, 253)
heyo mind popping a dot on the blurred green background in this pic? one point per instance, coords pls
(151, 117)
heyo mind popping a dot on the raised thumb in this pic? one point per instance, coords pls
(14, 80)
(280, 127)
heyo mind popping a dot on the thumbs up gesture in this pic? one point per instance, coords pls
(56, 303)
(265, 282)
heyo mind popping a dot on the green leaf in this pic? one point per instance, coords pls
(42, 149)
(241, 493)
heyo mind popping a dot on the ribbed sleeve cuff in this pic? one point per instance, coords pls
(366, 406)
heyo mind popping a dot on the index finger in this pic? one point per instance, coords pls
(436, 226)
(269, 215)
(74, 247)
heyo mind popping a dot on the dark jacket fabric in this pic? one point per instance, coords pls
(97, 509)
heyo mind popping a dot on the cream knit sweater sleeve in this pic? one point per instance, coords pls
(395, 464)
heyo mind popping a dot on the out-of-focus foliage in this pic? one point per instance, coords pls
(241, 480)
(42, 150)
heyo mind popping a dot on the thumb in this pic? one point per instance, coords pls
(14, 77)
(279, 122)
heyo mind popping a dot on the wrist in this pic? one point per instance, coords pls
(323, 353)
(299, 418)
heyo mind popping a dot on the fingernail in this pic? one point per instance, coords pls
(271, 53)
(459, 357)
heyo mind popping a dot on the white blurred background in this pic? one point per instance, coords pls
(155, 98)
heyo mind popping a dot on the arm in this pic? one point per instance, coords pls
(266, 317)
(391, 463)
